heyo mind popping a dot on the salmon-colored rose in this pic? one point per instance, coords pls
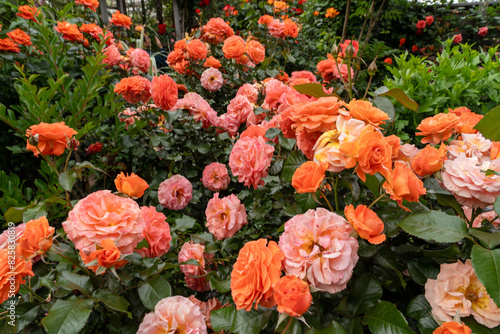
(134, 89)
(265, 19)
(255, 274)
(216, 31)
(180, 45)
(366, 112)
(452, 327)
(276, 28)
(195, 276)
(37, 238)
(196, 50)
(254, 131)
(212, 62)
(308, 177)
(90, 4)
(29, 12)
(233, 47)
(156, 233)
(320, 115)
(438, 128)
(120, 20)
(52, 138)
(8, 45)
(468, 119)
(404, 184)
(140, 59)
(429, 160)
(366, 222)
(164, 91)
(292, 295)
(291, 29)
(132, 185)
(69, 31)
(256, 51)
(21, 270)
(107, 256)
(175, 57)
(20, 37)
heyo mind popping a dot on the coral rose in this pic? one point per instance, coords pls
(438, 128)
(134, 89)
(140, 59)
(276, 28)
(429, 160)
(175, 193)
(102, 215)
(216, 31)
(174, 315)
(308, 177)
(233, 47)
(199, 108)
(212, 62)
(254, 131)
(249, 91)
(109, 255)
(429, 20)
(265, 19)
(366, 112)
(52, 139)
(457, 291)
(69, 31)
(495, 150)
(330, 70)
(256, 51)
(131, 185)
(37, 238)
(457, 38)
(195, 276)
(211, 79)
(421, 24)
(255, 274)
(318, 248)
(128, 116)
(207, 307)
(90, 4)
(240, 108)
(196, 50)
(225, 216)
(250, 159)
(404, 184)
(12, 275)
(156, 233)
(120, 20)
(320, 115)
(215, 177)
(483, 31)
(292, 296)
(8, 45)
(165, 92)
(468, 119)
(20, 37)
(452, 327)
(366, 222)
(274, 90)
(29, 12)
(343, 47)
(290, 28)
(112, 54)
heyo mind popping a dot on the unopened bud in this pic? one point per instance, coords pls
(73, 144)
(372, 69)
(335, 50)
(350, 51)
(33, 140)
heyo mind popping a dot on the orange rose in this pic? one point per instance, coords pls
(21, 270)
(395, 143)
(8, 45)
(37, 238)
(366, 112)
(233, 47)
(291, 28)
(404, 184)
(134, 89)
(256, 51)
(438, 128)
(452, 327)
(292, 295)
(283, 76)
(90, 4)
(29, 12)
(69, 31)
(254, 131)
(181, 67)
(255, 273)
(196, 50)
(212, 62)
(132, 185)
(366, 222)
(265, 19)
(107, 256)
(495, 150)
(175, 57)
(429, 160)
(320, 115)
(468, 119)
(216, 30)
(20, 37)
(180, 45)
(308, 177)
(120, 20)
(52, 138)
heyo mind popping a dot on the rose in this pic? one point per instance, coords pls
(50, 139)
(12, 274)
(366, 222)
(483, 31)
(256, 51)
(404, 184)
(37, 238)
(421, 24)
(292, 295)
(156, 233)
(131, 185)
(164, 91)
(215, 177)
(175, 193)
(196, 50)
(225, 216)
(140, 58)
(452, 327)
(211, 79)
(233, 47)
(134, 89)
(457, 38)
(366, 112)
(438, 128)
(429, 160)
(308, 177)
(120, 20)
(429, 20)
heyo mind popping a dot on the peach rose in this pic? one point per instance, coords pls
(212, 62)
(215, 177)
(175, 193)
(438, 128)
(174, 315)
(276, 28)
(211, 79)
(274, 90)
(199, 108)
(20, 37)
(225, 216)
(457, 290)
(207, 307)
(195, 276)
(404, 184)
(406, 153)
(52, 139)
(120, 20)
(240, 108)
(12, 278)
(233, 47)
(308, 177)
(131, 185)
(452, 327)
(318, 248)
(102, 215)
(134, 89)
(254, 131)
(250, 159)
(487, 214)
(128, 116)
(306, 141)
(140, 59)
(164, 92)
(256, 51)
(366, 222)
(228, 123)
(37, 238)
(309, 76)
(292, 296)
(468, 119)
(112, 54)
(12, 236)
(320, 115)
(330, 70)
(366, 112)
(156, 233)
(196, 50)
(249, 91)
(216, 31)
(429, 160)
(255, 274)
(471, 145)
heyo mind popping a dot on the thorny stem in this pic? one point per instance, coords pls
(375, 201)
(34, 294)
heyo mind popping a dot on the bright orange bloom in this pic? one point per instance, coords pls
(292, 295)
(265, 19)
(233, 47)
(37, 238)
(134, 89)
(50, 139)
(366, 112)
(388, 60)
(20, 37)
(404, 184)
(452, 327)
(132, 185)
(91, 4)
(495, 150)
(280, 6)
(429, 160)
(331, 12)
(29, 12)
(291, 29)
(468, 119)
(320, 115)
(8, 45)
(316, 13)
(366, 222)
(256, 51)
(196, 50)
(438, 128)
(308, 177)
(12, 278)
(120, 20)
(216, 30)
(69, 31)
(212, 62)
(107, 256)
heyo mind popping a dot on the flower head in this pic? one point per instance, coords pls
(175, 193)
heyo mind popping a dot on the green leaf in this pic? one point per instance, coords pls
(435, 225)
(384, 104)
(489, 240)
(352, 325)
(451, 201)
(311, 89)
(294, 161)
(35, 212)
(73, 281)
(222, 319)
(117, 303)
(15, 215)
(67, 316)
(306, 201)
(489, 126)
(222, 286)
(364, 294)
(496, 206)
(418, 307)
(373, 184)
(286, 142)
(334, 327)
(154, 290)
(250, 322)
(67, 180)
(421, 270)
(385, 318)
(272, 133)
(486, 263)
(478, 328)
(402, 98)
(184, 223)
(27, 313)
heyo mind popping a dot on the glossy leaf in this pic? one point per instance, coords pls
(489, 126)
(153, 290)
(435, 225)
(486, 263)
(67, 316)
(385, 318)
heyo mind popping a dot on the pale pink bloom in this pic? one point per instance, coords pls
(112, 54)
(175, 193)
(194, 251)
(483, 31)
(157, 233)
(6, 237)
(102, 215)
(488, 215)
(250, 160)
(140, 59)
(215, 177)
(250, 91)
(318, 248)
(174, 315)
(406, 153)
(303, 75)
(276, 28)
(199, 108)
(466, 179)
(225, 216)
(274, 89)
(228, 123)
(457, 290)
(240, 108)
(128, 116)
(471, 145)
(211, 79)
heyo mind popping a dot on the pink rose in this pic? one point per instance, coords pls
(406, 153)
(199, 108)
(5, 237)
(228, 123)
(225, 216)
(211, 79)
(421, 24)
(102, 215)
(249, 91)
(140, 59)
(194, 251)
(128, 116)
(303, 75)
(488, 215)
(318, 248)
(457, 38)
(157, 233)
(276, 28)
(113, 56)
(457, 290)
(215, 177)
(483, 31)
(274, 89)
(175, 193)
(471, 145)
(174, 315)
(250, 159)
(240, 108)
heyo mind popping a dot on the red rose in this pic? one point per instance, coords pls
(421, 24)
(94, 148)
(429, 19)
(388, 60)
(402, 41)
(414, 48)
(457, 38)
(162, 29)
